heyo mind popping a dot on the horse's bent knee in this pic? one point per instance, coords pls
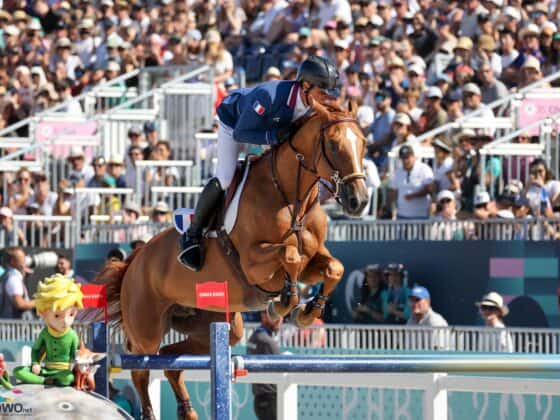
(335, 270)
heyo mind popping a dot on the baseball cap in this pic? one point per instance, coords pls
(402, 118)
(6, 212)
(415, 68)
(341, 43)
(162, 207)
(132, 206)
(382, 93)
(116, 160)
(11, 30)
(472, 88)
(505, 214)
(149, 127)
(135, 129)
(331, 24)
(445, 194)
(405, 151)
(512, 12)
(481, 198)
(273, 71)
(194, 34)
(419, 292)
(532, 63)
(434, 92)
(76, 151)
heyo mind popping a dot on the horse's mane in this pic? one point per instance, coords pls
(325, 111)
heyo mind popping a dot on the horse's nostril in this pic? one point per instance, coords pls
(354, 203)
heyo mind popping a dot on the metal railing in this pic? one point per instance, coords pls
(352, 338)
(119, 232)
(153, 173)
(444, 230)
(40, 232)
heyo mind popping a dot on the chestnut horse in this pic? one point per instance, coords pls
(280, 235)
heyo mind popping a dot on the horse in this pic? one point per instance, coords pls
(279, 235)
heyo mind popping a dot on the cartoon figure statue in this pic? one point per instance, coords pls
(85, 368)
(58, 300)
(4, 377)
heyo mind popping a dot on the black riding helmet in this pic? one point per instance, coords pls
(319, 71)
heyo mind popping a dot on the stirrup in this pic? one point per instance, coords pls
(182, 257)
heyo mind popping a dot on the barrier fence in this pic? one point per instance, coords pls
(341, 339)
(357, 371)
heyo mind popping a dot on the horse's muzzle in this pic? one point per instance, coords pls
(354, 196)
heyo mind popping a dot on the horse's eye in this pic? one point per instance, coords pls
(333, 145)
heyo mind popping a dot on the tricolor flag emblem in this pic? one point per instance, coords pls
(259, 109)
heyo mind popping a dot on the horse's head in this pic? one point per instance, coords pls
(342, 150)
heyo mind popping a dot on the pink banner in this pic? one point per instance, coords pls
(534, 109)
(50, 129)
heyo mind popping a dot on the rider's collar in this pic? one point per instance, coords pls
(292, 97)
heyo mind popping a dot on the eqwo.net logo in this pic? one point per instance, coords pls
(10, 408)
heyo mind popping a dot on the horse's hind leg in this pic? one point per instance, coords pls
(198, 342)
(323, 266)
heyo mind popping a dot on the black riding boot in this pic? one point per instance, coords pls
(191, 254)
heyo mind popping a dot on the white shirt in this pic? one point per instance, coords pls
(372, 182)
(440, 173)
(300, 109)
(47, 207)
(406, 182)
(335, 10)
(494, 340)
(14, 285)
(488, 115)
(509, 58)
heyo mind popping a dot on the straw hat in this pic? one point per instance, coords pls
(494, 299)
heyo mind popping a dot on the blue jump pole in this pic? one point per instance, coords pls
(401, 363)
(220, 370)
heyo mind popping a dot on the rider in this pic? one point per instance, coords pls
(261, 115)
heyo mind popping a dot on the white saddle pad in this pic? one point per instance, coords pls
(182, 216)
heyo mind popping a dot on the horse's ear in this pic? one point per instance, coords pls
(352, 107)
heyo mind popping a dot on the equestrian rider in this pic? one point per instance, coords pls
(261, 115)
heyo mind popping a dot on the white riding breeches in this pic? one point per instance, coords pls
(228, 152)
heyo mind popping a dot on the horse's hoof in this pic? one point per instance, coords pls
(300, 318)
(271, 312)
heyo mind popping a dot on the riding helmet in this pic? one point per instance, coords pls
(319, 71)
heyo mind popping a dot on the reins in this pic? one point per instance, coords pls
(318, 152)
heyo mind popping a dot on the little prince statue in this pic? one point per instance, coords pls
(58, 300)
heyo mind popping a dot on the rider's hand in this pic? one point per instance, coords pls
(36, 369)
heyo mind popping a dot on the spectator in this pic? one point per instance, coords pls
(100, 178)
(396, 309)
(472, 99)
(434, 115)
(446, 212)
(421, 312)
(80, 174)
(24, 191)
(43, 197)
(9, 234)
(161, 213)
(272, 74)
(531, 72)
(445, 177)
(381, 127)
(115, 170)
(64, 90)
(484, 53)
(411, 186)
(140, 241)
(116, 255)
(152, 138)
(161, 175)
(262, 341)
(484, 208)
(64, 267)
(15, 303)
(536, 193)
(491, 89)
(370, 307)
(135, 154)
(218, 57)
(373, 182)
(493, 311)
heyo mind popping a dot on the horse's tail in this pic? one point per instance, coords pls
(111, 275)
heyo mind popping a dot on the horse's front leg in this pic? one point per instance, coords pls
(323, 266)
(290, 263)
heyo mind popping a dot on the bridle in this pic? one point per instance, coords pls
(319, 151)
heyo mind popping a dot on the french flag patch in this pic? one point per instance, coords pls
(259, 109)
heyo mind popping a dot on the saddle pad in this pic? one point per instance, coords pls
(182, 219)
(233, 207)
(182, 216)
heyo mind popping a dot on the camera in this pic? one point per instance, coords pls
(42, 260)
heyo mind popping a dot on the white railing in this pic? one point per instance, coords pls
(435, 230)
(117, 232)
(156, 172)
(40, 232)
(176, 197)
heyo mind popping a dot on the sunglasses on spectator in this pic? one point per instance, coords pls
(537, 171)
(98, 165)
(487, 308)
(135, 154)
(445, 200)
(480, 206)
(23, 179)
